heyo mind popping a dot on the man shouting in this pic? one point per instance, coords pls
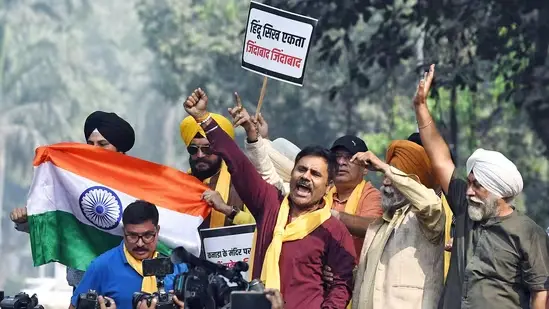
(296, 234)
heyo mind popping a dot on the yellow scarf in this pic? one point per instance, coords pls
(223, 186)
(149, 283)
(352, 203)
(297, 229)
(447, 229)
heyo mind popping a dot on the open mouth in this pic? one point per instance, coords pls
(303, 190)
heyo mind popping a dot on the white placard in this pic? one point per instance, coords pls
(228, 245)
(277, 43)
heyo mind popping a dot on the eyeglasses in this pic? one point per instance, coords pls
(193, 149)
(146, 238)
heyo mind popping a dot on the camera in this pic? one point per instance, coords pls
(204, 286)
(89, 301)
(160, 268)
(19, 301)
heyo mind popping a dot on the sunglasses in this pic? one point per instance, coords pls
(193, 149)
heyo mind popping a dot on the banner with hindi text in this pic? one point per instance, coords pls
(277, 43)
(228, 245)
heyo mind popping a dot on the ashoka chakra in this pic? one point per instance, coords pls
(101, 207)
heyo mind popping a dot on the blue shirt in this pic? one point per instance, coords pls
(111, 275)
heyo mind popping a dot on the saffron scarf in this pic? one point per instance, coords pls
(296, 230)
(223, 186)
(149, 283)
(352, 203)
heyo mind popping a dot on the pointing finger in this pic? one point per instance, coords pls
(237, 99)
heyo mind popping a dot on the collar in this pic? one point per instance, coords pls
(120, 249)
(498, 219)
(336, 198)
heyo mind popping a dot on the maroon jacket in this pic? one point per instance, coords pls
(301, 261)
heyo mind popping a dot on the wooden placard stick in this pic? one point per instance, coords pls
(261, 96)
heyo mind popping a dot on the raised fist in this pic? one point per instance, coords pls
(196, 104)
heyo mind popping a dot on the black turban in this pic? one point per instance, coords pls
(415, 138)
(114, 129)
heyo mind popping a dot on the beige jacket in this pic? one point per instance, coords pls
(405, 253)
(273, 166)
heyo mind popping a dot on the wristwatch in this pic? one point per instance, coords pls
(233, 213)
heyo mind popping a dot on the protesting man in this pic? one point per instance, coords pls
(355, 201)
(118, 273)
(450, 219)
(401, 264)
(212, 170)
(500, 258)
(101, 129)
(296, 234)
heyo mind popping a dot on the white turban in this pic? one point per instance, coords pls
(495, 172)
(283, 157)
(287, 148)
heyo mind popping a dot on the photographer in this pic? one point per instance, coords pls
(118, 273)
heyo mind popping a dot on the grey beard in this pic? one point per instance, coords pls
(391, 199)
(479, 210)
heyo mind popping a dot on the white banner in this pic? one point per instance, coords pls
(228, 245)
(277, 43)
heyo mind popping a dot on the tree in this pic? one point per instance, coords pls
(466, 39)
(199, 43)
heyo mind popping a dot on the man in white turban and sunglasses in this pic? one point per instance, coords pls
(500, 258)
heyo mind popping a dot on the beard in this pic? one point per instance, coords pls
(480, 210)
(391, 199)
(205, 174)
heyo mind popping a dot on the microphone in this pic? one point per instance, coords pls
(181, 255)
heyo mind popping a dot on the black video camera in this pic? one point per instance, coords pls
(204, 286)
(89, 301)
(160, 268)
(19, 301)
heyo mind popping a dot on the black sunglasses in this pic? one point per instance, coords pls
(193, 149)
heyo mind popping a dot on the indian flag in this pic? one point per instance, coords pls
(79, 192)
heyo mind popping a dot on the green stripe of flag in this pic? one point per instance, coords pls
(58, 236)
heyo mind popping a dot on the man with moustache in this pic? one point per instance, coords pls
(101, 129)
(401, 263)
(212, 170)
(356, 202)
(118, 273)
(500, 258)
(296, 234)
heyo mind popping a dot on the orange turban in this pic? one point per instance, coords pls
(411, 158)
(189, 128)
